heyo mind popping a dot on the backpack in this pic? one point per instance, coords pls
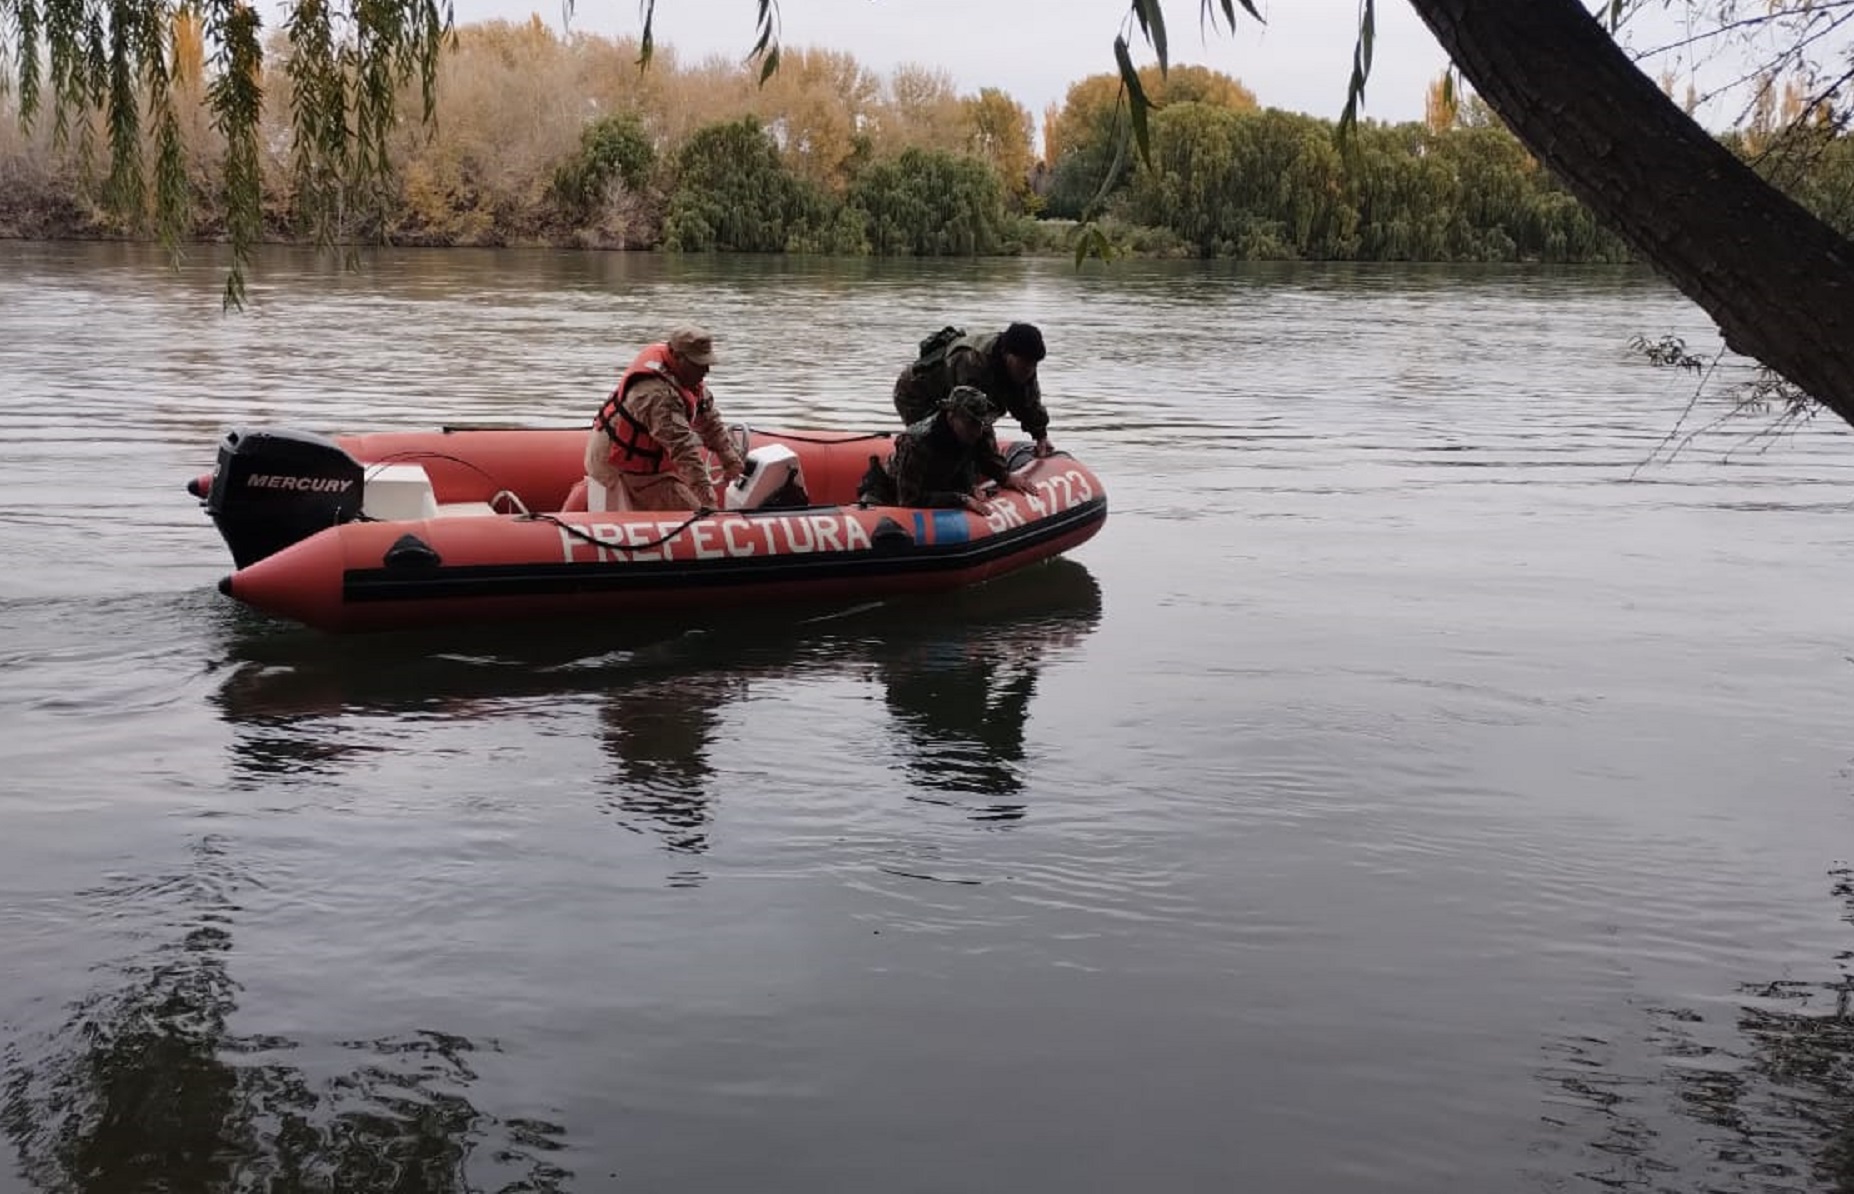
(877, 487)
(933, 349)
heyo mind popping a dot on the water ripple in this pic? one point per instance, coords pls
(1421, 764)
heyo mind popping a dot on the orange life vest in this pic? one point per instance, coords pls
(634, 449)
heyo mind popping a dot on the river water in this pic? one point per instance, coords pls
(1419, 783)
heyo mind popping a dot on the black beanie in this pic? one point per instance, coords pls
(1023, 340)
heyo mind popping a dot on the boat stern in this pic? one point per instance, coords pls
(273, 489)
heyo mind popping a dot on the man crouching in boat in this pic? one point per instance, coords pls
(645, 450)
(940, 460)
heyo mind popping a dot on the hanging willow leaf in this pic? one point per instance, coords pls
(1207, 13)
(1091, 241)
(26, 21)
(1208, 9)
(318, 99)
(1137, 103)
(1151, 14)
(235, 98)
(123, 191)
(1361, 71)
(1367, 36)
(766, 49)
(173, 198)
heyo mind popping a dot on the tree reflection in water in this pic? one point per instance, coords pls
(1762, 1101)
(145, 1088)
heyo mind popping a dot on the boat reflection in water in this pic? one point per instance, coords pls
(956, 674)
(151, 1076)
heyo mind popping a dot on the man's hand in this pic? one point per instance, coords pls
(1017, 483)
(1044, 447)
(976, 504)
(732, 471)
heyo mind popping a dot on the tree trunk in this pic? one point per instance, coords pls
(1777, 281)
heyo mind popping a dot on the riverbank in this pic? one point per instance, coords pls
(45, 216)
(35, 210)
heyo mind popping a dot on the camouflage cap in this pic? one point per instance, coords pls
(693, 343)
(969, 401)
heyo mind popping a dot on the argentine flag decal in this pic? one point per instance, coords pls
(949, 526)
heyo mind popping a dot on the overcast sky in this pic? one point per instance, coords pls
(1034, 49)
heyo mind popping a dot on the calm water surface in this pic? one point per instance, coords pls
(1405, 792)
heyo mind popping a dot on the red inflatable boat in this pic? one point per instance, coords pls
(398, 529)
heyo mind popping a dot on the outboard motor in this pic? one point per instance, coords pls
(275, 488)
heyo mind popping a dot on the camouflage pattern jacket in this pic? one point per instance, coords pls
(932, 468)
(972, 361)
(655, 403)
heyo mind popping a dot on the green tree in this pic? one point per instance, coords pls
(926, 203)
(1088, 138)
(1191, 183)
(611, 149)
(732, 191)
(1272, 184)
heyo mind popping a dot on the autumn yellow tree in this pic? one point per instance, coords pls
(920, 109)
(819, 107)
(509, 114)
(188, 53)
(602, 74)
(1440, 105)
(999, 130)
(1052, 146)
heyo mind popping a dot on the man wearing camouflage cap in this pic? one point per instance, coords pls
(645, 450)
(940, 460)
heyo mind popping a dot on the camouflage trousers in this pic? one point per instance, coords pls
(912, 401)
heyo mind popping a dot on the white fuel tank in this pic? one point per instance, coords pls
(768, 469)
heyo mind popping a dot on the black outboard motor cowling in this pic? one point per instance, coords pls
(275, 488)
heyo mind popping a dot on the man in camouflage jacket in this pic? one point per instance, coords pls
(649, 405)
(940, 460)
(1001, 365)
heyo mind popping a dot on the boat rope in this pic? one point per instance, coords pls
(851, 439)
(823, 438)
(373, 468)
(420, 454)
(526, 515)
